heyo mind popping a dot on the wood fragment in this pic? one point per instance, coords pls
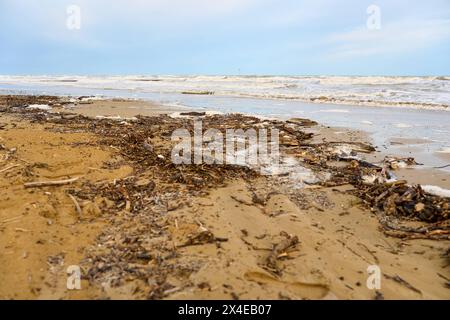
(49, 183)
(77, 205)
(12, 219)
(9, 168)
(354, 252)
(203, 236)
(403, 282)
(278, 250)
(241, 201)
(371, 252)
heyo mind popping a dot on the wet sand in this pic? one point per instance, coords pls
(213, 242)
(122, 108)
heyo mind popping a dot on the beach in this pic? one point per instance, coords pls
(89, 182)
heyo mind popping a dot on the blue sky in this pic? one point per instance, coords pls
(283, 37)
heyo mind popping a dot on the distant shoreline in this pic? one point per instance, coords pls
(431, 93)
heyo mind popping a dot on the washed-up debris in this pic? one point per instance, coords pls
(9, 168)
(434, 231)
(279, 250)
(135, 146)
(302, 122)
(198, 92)
(137, 246)
(49, 183)
(400, 199)
(9, 102)
(76, 204)
(193, 114)
(343, 149)
(403, 282)
(398, 163)
(202, 236)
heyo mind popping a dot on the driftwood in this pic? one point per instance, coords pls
(279, 249)
(9, 168)
(49, 183)
(77, 206)
(203, 236)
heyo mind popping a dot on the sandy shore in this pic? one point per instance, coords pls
(121, 108)
(141, 228)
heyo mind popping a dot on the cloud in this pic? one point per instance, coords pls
(219, 36)
(395, 37)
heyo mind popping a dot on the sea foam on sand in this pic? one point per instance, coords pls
(437, 191)
(39, 106)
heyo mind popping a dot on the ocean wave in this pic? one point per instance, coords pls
(377, 91)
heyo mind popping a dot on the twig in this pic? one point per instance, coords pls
(77, 206)
(49, 183)
(12, 219)
(369, 251)
(402, 281)
(354, 252)
(241, 201)
(442, 167)
(8, 168)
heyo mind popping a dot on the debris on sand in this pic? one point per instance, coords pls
(193, 114)
(403, 282)
(202, 236)
(279, 250)
(376, 185)
(49, 183)
(302, 122)
(400, 199)
(137, 245)
(397, 162)
(198, 92)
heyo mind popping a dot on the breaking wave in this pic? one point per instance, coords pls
(413, 92)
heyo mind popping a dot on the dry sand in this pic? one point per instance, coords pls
(42, 233)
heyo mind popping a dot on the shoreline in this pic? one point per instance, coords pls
(142, 228)
(416, 174)
(282, 88)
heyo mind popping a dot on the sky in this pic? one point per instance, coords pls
(223, 37)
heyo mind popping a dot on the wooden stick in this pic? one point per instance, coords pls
(12, 219)
(77, 206)
(50, 183)
(8, 168)
(402, 281)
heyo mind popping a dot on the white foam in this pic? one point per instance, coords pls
(40, 107)
(117, 117)
(437, 191)
(444, 150)
(403, 125)
(411, 92)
